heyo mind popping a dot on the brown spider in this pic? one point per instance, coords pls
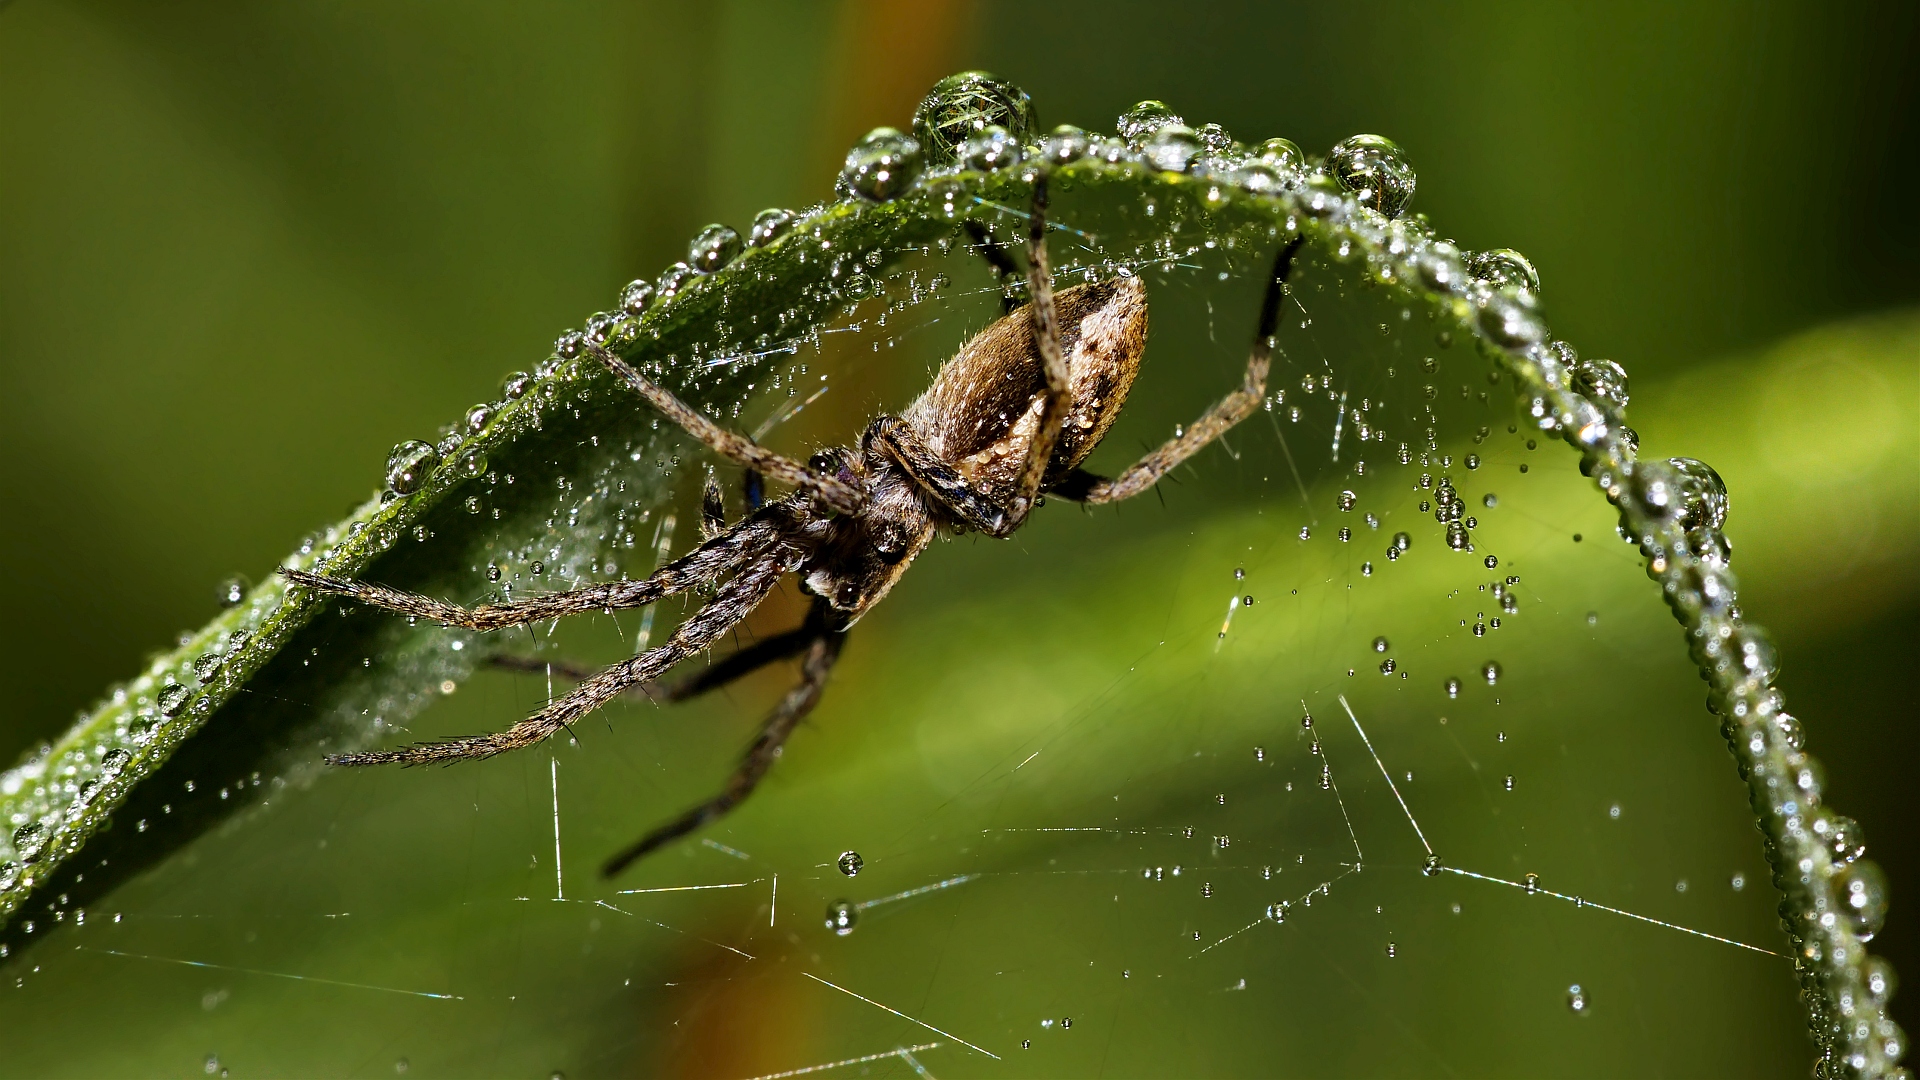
(1011, 415)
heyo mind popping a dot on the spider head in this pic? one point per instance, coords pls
(863, 554)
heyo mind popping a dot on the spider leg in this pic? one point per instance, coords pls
(729, 605)
(711, 559)
(836, 493)
(1217, 421)
(939, 479)
(1046, 338)
(713, 508)
(739, 664)
(823, 648)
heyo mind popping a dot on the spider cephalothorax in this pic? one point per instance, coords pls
(1012, 415)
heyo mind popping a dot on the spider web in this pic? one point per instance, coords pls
(1224, 780)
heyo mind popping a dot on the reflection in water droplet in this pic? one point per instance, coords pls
(961, 106)
(769, 225)
(1376, 170)
(1862, 889)
(1602, 381)
(1345, 501)
(1138, 124)
(408, 465)
(172, 699)
(1431, 866)
(1504, 266)
(1387, 666)
(1282, 154)
(851, 863)
(712, 248)
(841, 916)
(882, 165)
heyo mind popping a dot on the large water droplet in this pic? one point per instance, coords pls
(1504, 266)
(1862, 890)
(992, 149)
(769, 225)
(636, 296)
(1282, 154)
(841, 915)
(1512, 319)
(1138, 124)
(1845, 840)
(173, 698)
(479, 417)
(851, 863)
(408, 465)
(672, 280)
(882, 165)
(962, 106)
(1602, 381)
(30, 840)
(1703, 495)
(1172, 148)
(712, 248)
(1376, 170)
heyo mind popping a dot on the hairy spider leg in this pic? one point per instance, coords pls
(937, 478)
(1217, 421)
(736, 665)
(731, 603)
(710, 560)
(1046, 339)
(842, 496)
(713, 507)
(823, 648)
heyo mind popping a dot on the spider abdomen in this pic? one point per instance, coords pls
(983, 409)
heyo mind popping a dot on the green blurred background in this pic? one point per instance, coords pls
(244, 249)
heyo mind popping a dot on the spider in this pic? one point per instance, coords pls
(1011, 416)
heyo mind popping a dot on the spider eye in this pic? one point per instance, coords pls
(847, 595)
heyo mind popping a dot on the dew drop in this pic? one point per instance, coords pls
(1138, 124)
(959, 107)
(1862, 889)
(408, 465)
(1490, 671)
(517, 383)
(1577, 1000)
(1504, 266)
(1380, 644)
(1431, 866)
(769, 225)
(1453, 688)
(1345, 501)
(172, 699)
(1376, 170)
(882, 165)
(712, 248)
(634, 298)
(1281, 154)
(30, 840)
(478, 418)
(1531, 882)
(1387, 666)
(851, 863)
(841, 915)
(1603, 381)
(1509, 783)
(1172, 148)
